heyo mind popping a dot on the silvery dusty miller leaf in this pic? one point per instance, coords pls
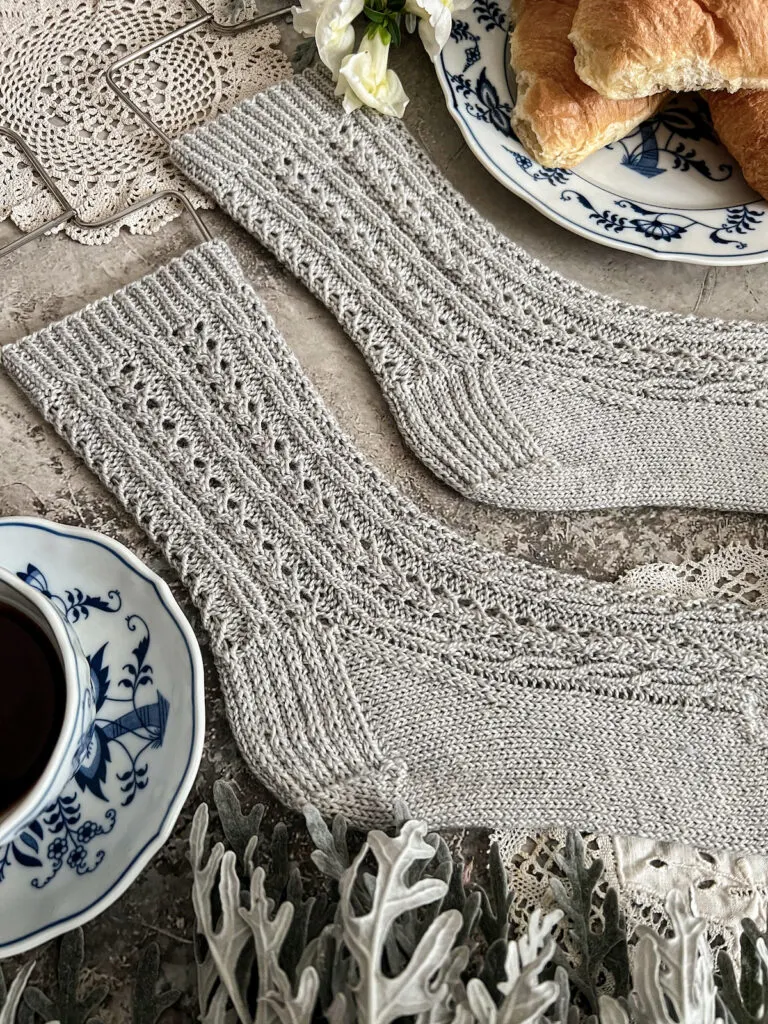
(381, 999)
(602, 949)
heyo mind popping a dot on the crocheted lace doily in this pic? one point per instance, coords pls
(728, 886)
(52, 91)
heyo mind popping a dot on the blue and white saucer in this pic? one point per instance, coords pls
(92, 842)
(669, 190)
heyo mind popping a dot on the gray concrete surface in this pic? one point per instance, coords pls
(40, 476)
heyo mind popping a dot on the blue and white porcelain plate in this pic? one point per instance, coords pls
(669, 190)
(91, 843)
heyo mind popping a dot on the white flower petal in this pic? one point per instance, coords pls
(435, 31)
(349, 99)
(365, 76)
(435, 20)
(335, 34)
(351, 102)
(305, 17)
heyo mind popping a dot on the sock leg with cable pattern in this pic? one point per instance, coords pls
(515, 386)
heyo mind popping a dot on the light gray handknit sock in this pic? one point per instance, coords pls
(367, 654)
(515, 386)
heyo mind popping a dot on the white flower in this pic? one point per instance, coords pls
(334, 33)
(435, 19)
(365, 79)
(305, 17)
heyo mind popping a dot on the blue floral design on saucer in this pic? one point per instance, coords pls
(125, 730)
(668, 190)
(142, 753)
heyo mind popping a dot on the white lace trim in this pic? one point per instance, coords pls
(733, 573)
(729, 887)
(52, 91)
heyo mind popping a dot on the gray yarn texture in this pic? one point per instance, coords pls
(368, 655)
(514, 385)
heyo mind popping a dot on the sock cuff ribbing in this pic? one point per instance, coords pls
(145, 389)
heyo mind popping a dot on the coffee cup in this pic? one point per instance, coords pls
(47, 704)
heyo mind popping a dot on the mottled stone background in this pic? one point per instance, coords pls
(40, 476)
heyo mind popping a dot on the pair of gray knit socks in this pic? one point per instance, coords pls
(515, 386)
(367, 654)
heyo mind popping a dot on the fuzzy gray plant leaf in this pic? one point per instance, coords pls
(239, 829)
(481, 1005)
(276, 881)
(276, 999)
(493, 968)
(495, 900)
(743, 995)
(228, 936)
(525, 996)
(148, 1003)
(672, 977)
(602, 947)
(341, 1010)
(294, 1009)
(26, 1015)
(325, 953)
(679, 966)
(563, 1011)
(440, 866)
(399, 945)
(463, 1015)
(67, 1007)
(448, 976)
(381, 999)
(407, 931)
(10, 999)
(401, 813)
(207, 977)
(219, 1009)
(331, 855)
(304, 55)
(467, 903)
(614, 1011)
(299, 931)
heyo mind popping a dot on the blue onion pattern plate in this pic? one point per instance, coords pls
(118, 810)
(668, 190)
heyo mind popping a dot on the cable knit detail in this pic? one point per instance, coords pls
(367, 654)
(515, 386)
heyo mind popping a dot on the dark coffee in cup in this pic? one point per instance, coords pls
(33, 695)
